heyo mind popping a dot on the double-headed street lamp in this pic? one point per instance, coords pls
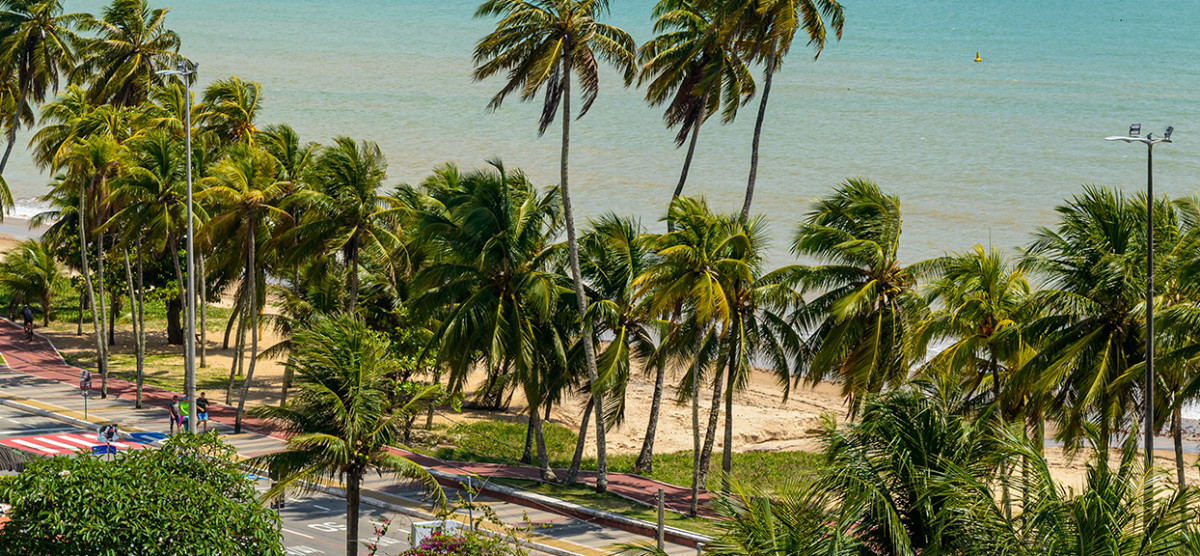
(1148, 396)
(185, 71)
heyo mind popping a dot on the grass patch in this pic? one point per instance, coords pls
(494, 441)
(586, 496)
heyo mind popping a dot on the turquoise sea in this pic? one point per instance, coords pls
(978, 152)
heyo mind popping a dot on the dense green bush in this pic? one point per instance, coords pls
(186, 498)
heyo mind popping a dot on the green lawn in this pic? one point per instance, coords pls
(503, 442)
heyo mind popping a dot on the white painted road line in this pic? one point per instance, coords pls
(35, 446)
(320, 507)
(286, 530)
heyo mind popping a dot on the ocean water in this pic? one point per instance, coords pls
(978, 152)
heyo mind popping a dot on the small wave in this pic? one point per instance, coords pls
(27, 208)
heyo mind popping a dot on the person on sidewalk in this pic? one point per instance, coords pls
(174, 409)
(27, 314)
(202, 411)
(184, 406)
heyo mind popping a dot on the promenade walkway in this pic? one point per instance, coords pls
(37, 375)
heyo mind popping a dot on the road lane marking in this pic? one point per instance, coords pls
(320, 507)
(286, 530)
(35, 446)
(76, 440)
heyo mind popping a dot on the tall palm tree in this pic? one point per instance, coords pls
(491, 234)
(92, 164)
(984, 306)
(616, 251)
(245, 187)
(36, 44)
(687, 281)
(129, 44)
(766, 29)
(346, 212)
(340, 421)
(759, 329)
(1092, 334)
(62, 123)
(541, 44)
(862, 323)
(693, 68)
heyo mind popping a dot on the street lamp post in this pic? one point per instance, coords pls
(189, 332)
(1148, 396)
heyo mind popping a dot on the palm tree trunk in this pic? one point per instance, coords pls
(577, 458)
(645, 460)
(353, 274)
(1177, 435)
(758, 124)
(137, 404)
(238, 346)
(710, 436)
(200, 287)
(141, 317)
(114, 306)
(229, 325)
(581, 301)
(1005, 496)
(252, 274)
(103, 361)
(727, 448)
(12, 129)
(353, 485)
(180, 284)
(695, 507)
(87, 279)
(687, 160)
(543, 460)
(527, 454)
(79, 323)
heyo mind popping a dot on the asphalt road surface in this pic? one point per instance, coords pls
(312, 523)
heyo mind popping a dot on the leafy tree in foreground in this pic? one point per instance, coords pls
(340, 420)
(188, 497)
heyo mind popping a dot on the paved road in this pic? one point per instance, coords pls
(18, 423)
(312, 524)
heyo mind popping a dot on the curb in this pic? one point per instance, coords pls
(562, 507)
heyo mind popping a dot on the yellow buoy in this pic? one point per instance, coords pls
(977, 58)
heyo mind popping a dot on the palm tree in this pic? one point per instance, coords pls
(541, 43)
(131, 44)
(346, 212)
(759, 329)
(62, 121)
(616, 251)
(693, 68)
(36, 44)
(230, 107)
(687, 282)
(31, 271)
(490, 234)
(1092, 334)
(984, 307)
(92, 164)
(245, 187)
(863, 322)
(765, 29)
(340, 421)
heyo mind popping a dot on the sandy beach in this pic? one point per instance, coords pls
(763, 420)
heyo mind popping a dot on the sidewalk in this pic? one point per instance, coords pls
(36, 377)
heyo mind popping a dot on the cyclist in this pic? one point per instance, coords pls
(27, 313)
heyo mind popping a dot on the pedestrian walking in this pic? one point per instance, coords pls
(174, 409)
(184, 406)
(202, 411)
